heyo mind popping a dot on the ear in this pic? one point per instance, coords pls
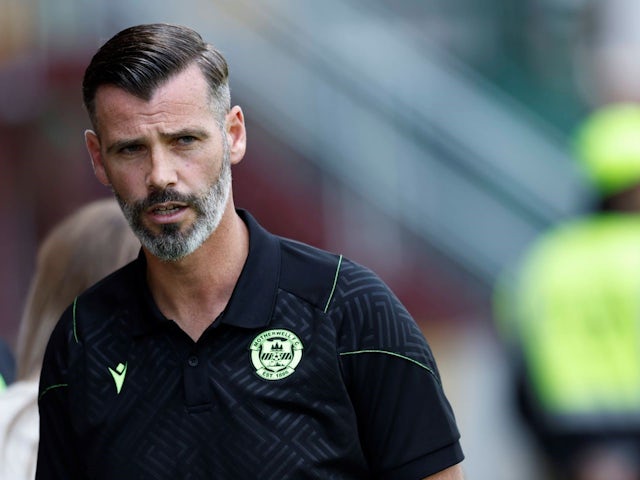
(236, 134)
(93, 146)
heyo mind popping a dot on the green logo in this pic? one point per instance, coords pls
(275, 354)
(118, 375)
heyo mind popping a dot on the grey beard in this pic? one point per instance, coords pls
(172, 244)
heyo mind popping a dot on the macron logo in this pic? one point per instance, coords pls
(118, 375)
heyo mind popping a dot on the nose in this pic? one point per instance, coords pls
(162, 172)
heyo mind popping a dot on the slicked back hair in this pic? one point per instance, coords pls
(141, 58)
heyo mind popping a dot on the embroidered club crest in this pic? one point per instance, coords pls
(275, 354)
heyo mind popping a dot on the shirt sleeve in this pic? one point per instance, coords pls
(57, 450)
(407, 426)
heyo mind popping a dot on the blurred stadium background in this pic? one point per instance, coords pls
(426, 139)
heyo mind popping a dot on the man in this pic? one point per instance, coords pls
(223, 351)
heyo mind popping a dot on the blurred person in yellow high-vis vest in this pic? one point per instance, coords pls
(571, 312)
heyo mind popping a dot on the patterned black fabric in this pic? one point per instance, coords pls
(314, 371)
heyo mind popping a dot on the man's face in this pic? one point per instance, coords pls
(175, 241)
(167, 161)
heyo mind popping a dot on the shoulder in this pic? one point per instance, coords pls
(324, 278)
(98, 319)
(364, 311)
(117, 287)
(98, 307)
(112, 297)
(308, 272)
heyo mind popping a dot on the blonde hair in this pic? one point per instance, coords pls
(83, 248)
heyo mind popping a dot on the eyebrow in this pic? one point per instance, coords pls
(185, 132)
(118, 145)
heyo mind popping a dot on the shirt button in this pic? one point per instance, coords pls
(193, 361)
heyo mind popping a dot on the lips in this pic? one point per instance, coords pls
(166, 212)
(166, 208)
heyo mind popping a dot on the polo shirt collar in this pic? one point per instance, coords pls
(254, 296)
(253, 299)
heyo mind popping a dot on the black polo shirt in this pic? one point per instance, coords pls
(313, 371)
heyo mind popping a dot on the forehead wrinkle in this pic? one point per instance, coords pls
(155, 111)
(178, 99)
(163, 121)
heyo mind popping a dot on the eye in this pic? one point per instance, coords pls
(186, 140)
(131, 149)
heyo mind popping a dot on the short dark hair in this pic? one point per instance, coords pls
(140, 58)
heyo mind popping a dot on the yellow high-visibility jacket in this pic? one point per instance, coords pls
(573, 309)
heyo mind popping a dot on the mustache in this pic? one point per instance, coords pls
(162, 196)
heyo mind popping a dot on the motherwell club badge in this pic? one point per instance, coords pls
(275, 354)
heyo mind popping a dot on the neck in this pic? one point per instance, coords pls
(193, 291)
